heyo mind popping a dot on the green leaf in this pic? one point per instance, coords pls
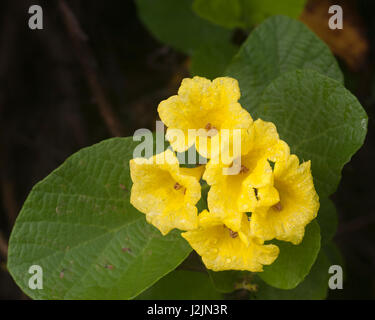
(202, 203)
(227, 13)
(319, 119)
(277, 46)
(175, 23)
(327, 218)
(294, 262)
(314, 286)
(79, 226)
(182, 285)
(258, 10)
(245, 13)
(211, 61)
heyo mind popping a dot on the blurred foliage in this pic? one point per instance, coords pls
(174, 23)
(182, 285)
(211, 61)
(245, 13)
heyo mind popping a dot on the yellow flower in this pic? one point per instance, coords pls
(202, 109)
(224, 249)
(298, 205)
(166, 193)
(252, 186)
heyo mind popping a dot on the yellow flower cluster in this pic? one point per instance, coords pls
(272, 196)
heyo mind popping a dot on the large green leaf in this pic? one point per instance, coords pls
(313, 287)
(79, 226)
(294, 262)
(319, 119)
(278, 45)
(182, 285)
(245, 13)
(175, 23)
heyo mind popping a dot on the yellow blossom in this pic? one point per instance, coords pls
(201, 110)
(166, 193)
(297, 207)
(252, 186)
(224, 249)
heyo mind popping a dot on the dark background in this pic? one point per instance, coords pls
(63, 88)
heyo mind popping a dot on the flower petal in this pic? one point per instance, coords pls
(298, 206)
(164, 192)
(201, 109)
(220, 250)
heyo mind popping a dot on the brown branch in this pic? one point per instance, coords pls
(87, 61)
(61, 56)
(3, 246)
